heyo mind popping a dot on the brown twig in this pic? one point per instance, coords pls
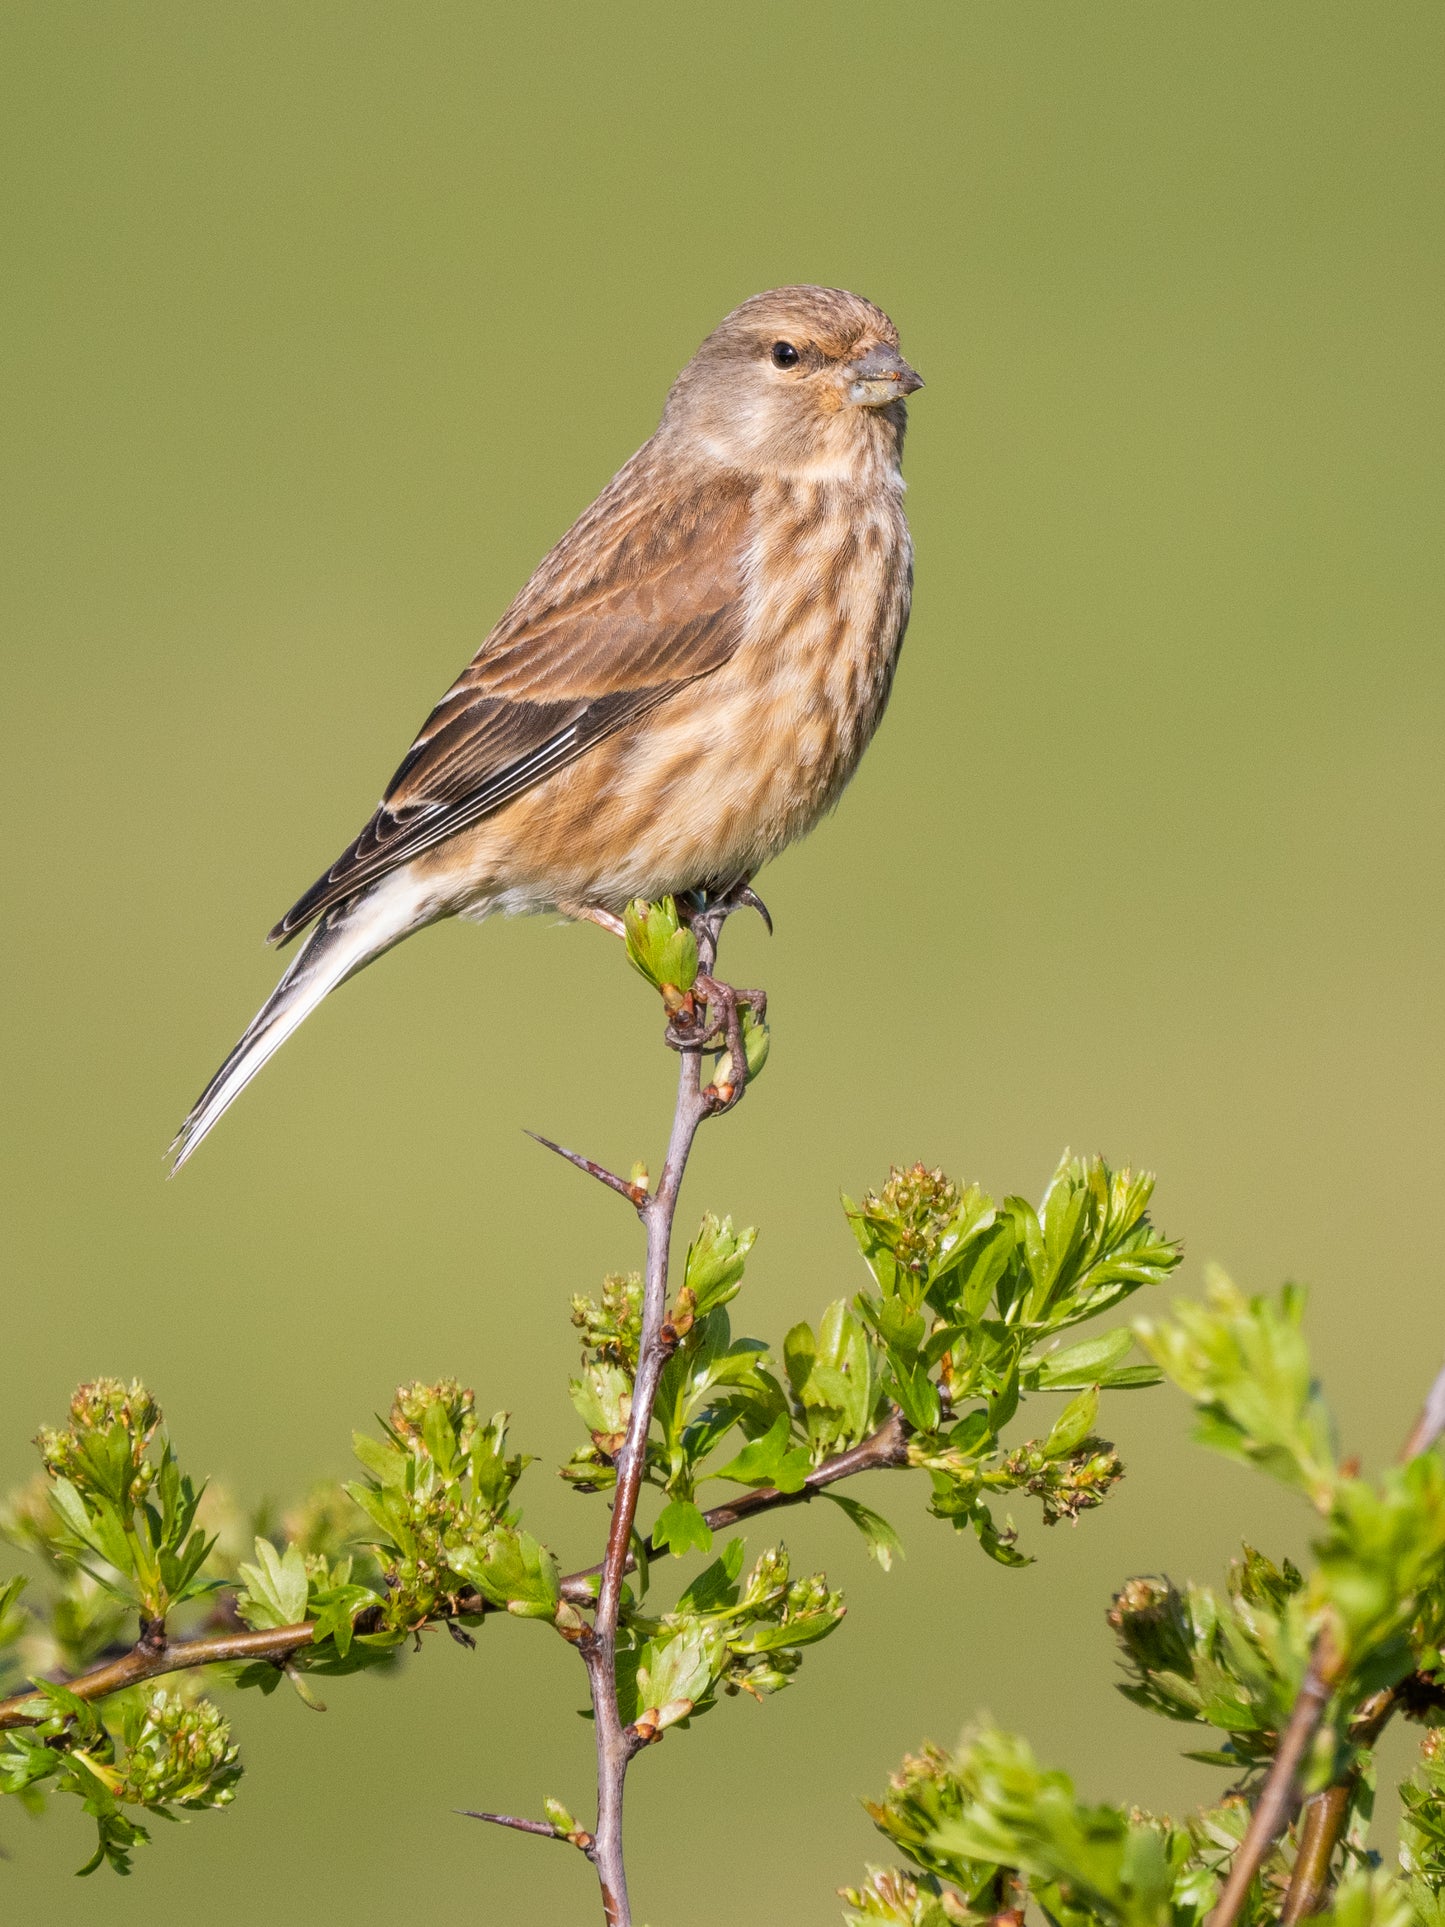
(180, 1656)
(1010, 1900)
(1324, 1820)
(1326, 1814)
(543, 1828)
(615, 1745)
(885, 1449)
(1279, 1796)
(635, 1194)
(882, 1451)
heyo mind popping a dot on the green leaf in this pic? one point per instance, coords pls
(916, 1393)
(1079, 1365)
(659, 946)
(1005, 1402)
(998, 1546)
(1245, 1364)
(800, 1351)
(275, 1588)
(716, 1585)
(511, 1569)
(383, 1461)
(884, 1544)
(973, 1435)
(681, 1664)
(1126, 1378)
(1073, 1424)
(769, 1461)
(682, 1527)
(715, 1261)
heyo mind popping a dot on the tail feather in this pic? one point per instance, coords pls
(346, 939)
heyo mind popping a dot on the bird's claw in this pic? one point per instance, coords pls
(712, 907)
(711, 1013)
(748, 899)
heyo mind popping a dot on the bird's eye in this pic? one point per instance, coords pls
(785, 355)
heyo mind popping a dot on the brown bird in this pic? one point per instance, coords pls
(684, 686)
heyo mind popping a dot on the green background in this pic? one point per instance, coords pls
(322, 323)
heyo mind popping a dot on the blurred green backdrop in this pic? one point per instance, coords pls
(322, 322)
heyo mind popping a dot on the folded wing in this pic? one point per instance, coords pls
(643, 596)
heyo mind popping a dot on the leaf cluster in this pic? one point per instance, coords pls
(957, 1323)
(960, 1321)
(127, 1514)
(166, 1752)
(1375, 1590)
(727, 1632)
(438, 1491)
(1373, 1601)
(965, 1311)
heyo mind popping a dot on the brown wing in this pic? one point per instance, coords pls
(641, 597)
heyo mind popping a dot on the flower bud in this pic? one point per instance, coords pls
(661, 947)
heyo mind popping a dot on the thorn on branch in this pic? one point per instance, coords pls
(634, 1191)
(543, 1829)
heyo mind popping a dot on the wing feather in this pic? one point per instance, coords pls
(640, 598)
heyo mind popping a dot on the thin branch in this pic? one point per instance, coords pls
(635, 1194)
(882, 1451)
(180, 1656)
(543, 1828)
(1326, 1815)
(598, 1644)
(886, 1449)
(1324, 1821)
(1279, 1796)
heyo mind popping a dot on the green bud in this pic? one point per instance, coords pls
(660, 946)
(1066, 1485)
(890, 1895)
(912, 1214)
(1152, 1624)
(417, 1408)
(103, 1449)
(756, 1043)
(180, 1754)
(715, 1261)
(611, 1328)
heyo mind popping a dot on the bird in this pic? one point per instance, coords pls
(683, 687)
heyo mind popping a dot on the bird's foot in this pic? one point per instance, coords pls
(713, 905)
(711, 1013)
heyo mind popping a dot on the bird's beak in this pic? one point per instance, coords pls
(880, 376)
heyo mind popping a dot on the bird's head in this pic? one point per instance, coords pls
(800, 381)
